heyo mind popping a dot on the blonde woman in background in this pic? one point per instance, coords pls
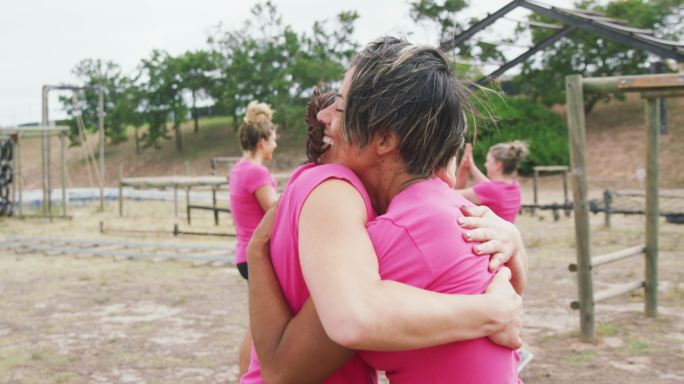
(252, 190)
(498, 189)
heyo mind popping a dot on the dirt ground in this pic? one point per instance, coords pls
(97, 320)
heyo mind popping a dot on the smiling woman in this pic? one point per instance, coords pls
(356, 280)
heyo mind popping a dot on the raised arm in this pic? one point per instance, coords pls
(285, 346)
(359, 310)
(475, 172)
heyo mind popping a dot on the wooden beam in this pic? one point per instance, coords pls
(611, 292)
(637, 83)
(613, 256)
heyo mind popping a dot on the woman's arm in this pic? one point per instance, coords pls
(266, 196)
(470, 195)
(359, 310)
(475, 172)
(463, 170)
(285, 346)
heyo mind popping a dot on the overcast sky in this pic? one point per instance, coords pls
(42, 40)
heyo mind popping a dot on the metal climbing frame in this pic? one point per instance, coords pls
(653, 89)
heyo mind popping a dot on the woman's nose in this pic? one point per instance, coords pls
(324, 115)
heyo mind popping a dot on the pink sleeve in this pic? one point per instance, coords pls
(258, 178)
(486, 192)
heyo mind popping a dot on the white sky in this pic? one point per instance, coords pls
(42, 40)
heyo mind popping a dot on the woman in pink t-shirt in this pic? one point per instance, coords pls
(498, 189)
(320, 228)
(252, 188)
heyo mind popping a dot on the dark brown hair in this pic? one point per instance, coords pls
(314, 128)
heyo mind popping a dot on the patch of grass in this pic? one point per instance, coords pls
(606, 329)
(179, 301)
(638, 346)
(580, 357)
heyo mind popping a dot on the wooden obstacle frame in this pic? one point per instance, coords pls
(176, 182)
(16, 134)
(653, 89)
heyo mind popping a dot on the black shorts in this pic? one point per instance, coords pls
(242, 267)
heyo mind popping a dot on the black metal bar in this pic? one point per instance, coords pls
(541, 45)
(624, 38)
(448, 45)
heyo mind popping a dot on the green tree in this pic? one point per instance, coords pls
(266, 60)
(195, 68)
(96, 74)
(162, 97)
(441, 12)
(591, 55)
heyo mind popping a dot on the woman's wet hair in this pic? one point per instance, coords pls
(409, 90)
(509, 154)
(314, 128)
(257, 125)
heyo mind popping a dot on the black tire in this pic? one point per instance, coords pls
(6, 150)
(6, 175)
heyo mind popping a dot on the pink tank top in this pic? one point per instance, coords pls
(285, 258)
(418, 242)
(500, 197)
(245, 178)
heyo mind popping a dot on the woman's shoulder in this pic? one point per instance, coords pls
(319, 173)
(305, 181)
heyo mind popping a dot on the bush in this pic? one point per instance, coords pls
(521, 119)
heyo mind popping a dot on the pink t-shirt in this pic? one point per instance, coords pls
(285, 258)
(419, 242)
(245, 178)
(502, 198)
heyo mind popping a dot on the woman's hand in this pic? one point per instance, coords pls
(499, 238)
(511, 304)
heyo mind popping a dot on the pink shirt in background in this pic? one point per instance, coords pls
(246, 177)
(419, 242)
(285, 258)
(500, 197)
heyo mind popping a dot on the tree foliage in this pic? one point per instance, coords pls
(263, 59)
(592, 55)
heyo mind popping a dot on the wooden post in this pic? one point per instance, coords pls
(566, 201)
(100, 125)
(187, 202)
(120, 198)
(18, 175)
(175, 200)
(213, 201)
(652, 149)
(534, 190)
(607, 202)
(46, 206)
(577, 138)
(62, 173)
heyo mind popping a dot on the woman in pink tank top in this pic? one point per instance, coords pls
(252, 189)
(320, 248)
(498, 189)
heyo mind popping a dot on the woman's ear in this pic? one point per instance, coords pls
(385, 142)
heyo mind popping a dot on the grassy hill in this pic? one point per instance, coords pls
(616, 150)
